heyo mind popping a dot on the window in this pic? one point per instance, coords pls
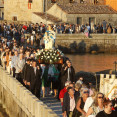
(53, 1)
(91, 20)
(30, 1)
(71, 1)
(81, 1)
(14, 18)
(95, 1)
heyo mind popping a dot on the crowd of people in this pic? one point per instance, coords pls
(104, 27)
(81, 100)
(78, 98)
(12, 29)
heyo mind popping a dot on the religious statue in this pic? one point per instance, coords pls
(49, 38)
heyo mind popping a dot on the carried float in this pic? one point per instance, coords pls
(50, 55)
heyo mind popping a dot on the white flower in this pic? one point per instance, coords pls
(50, 50)
(51, 61)
(38, 54)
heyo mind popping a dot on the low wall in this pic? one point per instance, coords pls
(78, 43)
(18, 101)
(16, 22)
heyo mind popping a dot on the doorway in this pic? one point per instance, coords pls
(79, 20)
(91, 20)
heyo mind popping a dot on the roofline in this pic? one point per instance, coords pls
(91, 13)
(44, 18)
(61, 8)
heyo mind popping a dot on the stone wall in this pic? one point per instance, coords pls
(18, 101)
(16, 22)
(38, 19)
(78, 43)
(57, 12)
(19, 8)
(109, 18)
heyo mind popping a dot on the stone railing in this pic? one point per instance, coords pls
(18, 101)
(108, 83)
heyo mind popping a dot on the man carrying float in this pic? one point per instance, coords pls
(49, 58)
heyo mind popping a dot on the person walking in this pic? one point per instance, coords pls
(34, 79)
(67, 74)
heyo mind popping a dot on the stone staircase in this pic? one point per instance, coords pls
(53, 104)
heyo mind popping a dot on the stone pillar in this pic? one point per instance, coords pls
(102, 83)
(38, 109)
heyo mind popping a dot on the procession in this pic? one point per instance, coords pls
(47, 71)
(58, 58)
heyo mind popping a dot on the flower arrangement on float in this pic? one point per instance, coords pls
(50, 56)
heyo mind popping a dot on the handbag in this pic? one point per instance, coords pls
(76, 113)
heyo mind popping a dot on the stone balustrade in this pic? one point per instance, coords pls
(108, 83)
(18, 101)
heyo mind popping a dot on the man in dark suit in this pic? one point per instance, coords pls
(67, 74)
(25, 72)
(34, 79)
(68, 102)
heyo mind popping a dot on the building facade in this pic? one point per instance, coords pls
(21, 10)
(1, 9)
(70, 11)
(112, 3)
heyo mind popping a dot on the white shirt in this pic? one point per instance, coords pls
(88, 103)
(35, 70)
(72, 104)
(69, 70)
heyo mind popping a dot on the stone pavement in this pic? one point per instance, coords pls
(53, 104)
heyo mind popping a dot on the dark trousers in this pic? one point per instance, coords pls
(19, 77)
(13, 72)
(36, 91)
